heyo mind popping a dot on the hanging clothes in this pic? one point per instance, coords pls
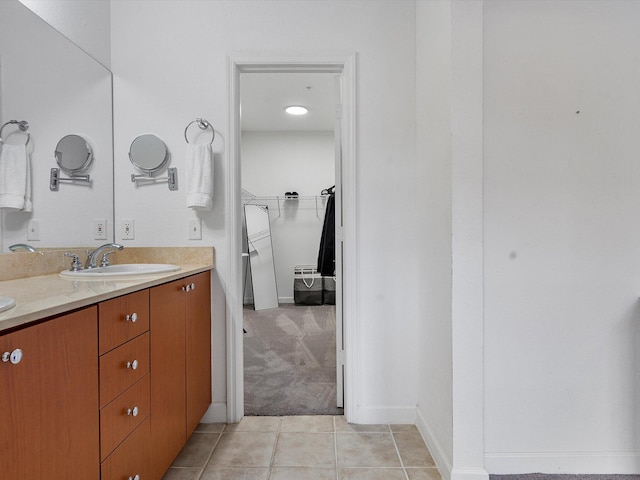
(327, 254)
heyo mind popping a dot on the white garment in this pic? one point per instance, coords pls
(199, 166)
(15, 178)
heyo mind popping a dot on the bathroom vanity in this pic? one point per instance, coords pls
(111, 388)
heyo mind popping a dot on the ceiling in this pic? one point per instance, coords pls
(264, 96)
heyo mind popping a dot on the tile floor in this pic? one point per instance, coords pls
(303, 448)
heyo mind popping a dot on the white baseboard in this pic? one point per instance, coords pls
(469, 474)
(597, 463)
(443, 462)
(216, 413)
(382, 414)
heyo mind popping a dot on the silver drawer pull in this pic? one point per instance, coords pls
(14, 357)
(136, 477)
(133, 412)
(188, 288)
(131, 318)
(133, 365)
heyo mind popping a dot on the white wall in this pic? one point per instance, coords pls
(86, 23)
(433, 145)
(274, 163)
(172, 69)
(562, 237)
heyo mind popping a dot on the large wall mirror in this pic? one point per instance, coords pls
(60, 90)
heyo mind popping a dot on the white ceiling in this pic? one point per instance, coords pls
(264, 96)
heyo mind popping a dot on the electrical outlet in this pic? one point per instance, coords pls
(128, 230)
(33, 230)
(195, 229)
(100, 229)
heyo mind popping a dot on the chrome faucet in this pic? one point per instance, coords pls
(22, 246)
(93, 256)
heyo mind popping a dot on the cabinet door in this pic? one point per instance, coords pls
(198, 350)
(48, 409)
(168, 398)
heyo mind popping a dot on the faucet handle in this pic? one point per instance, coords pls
(75, 264)
(105, 258)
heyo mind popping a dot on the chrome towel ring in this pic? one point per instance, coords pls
(202, 125)
(23, 125)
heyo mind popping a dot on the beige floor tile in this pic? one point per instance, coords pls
(372, 474)
(222, 473)
(210, 428)
(366, 450)
(423, 474)
(244, 449)
(197, 450)
(403, 428)
(255, 424)
(412, 450)
(307, 423)
(182, 474)
(305, 450)
(343, 426)
(302, 473)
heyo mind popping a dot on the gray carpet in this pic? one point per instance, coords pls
(548, 476)
(290, 361)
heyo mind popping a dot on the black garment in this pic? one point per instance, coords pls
(327, 254)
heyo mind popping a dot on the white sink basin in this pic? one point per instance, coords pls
(6, 303)
(123, 270)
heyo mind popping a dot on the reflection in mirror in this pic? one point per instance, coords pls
(76, 96)
(73, 154)
(148, 153)
(260, 252)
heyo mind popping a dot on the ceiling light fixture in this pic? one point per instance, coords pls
(296, 110)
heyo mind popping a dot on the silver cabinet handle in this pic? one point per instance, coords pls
(14, 357)
(131, 318)
(133, 365)
(136, 477)
(189, 287)
(133, 412)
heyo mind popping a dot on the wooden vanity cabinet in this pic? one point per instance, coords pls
(125, 409)
(48, 406)
(108, 392)
(180, 329)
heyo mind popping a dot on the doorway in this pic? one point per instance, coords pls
(289, 185)
(342, 65)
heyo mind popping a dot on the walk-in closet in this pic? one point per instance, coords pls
(288, 177)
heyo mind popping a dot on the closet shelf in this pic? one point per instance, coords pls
(286, 201)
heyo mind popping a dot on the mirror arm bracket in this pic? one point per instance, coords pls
(55, 179)
(171, 178)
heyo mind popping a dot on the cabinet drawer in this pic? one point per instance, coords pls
(121, 319)
(119, 418)
(122, 367)
(131, 458)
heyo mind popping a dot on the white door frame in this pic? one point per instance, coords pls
(344, 64)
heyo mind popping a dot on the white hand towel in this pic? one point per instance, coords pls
(15, 178)
(199, 166)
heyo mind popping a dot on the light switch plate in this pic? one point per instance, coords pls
(33, 230)
(128, 230)
(195, 229)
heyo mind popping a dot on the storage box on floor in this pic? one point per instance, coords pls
(311, 288)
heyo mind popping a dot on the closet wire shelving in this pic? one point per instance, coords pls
(282, 201)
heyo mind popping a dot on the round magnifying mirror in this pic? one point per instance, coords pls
(73, 154)
(148, 153)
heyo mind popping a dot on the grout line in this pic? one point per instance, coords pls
(404, 470)
(210, 454)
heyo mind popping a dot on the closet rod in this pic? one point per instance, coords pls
(256, 199)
